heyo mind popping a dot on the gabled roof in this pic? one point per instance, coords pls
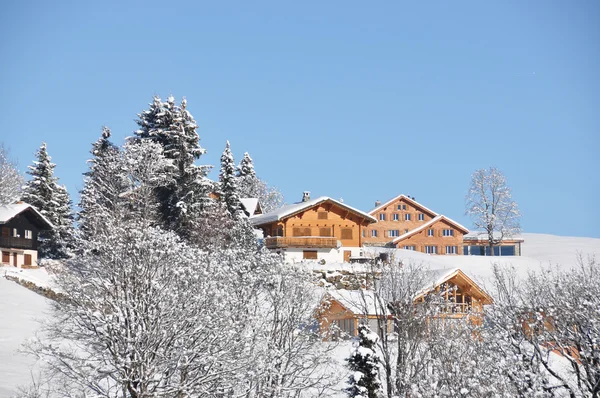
(428, 224)
(362, 302)
(408, 199)
(435, 278)
(251, 206)
(8, 212)
(290, 210)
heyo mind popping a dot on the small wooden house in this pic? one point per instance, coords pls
(345, 309)
(20, 224)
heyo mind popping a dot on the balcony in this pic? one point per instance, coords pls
(312, 242)
(16, 243)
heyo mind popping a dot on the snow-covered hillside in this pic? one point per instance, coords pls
(20, 307)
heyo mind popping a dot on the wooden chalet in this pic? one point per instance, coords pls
(314, 229)
(404, 223)
(20, 224)
(346, 309)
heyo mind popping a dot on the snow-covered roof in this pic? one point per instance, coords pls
(428, 224)
(483, 236)
(358, 301)
(250, 204)
(408, 199)
(8, 212)
(289, 210)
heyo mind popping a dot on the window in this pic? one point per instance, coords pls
(324, 231)
(421, 217)
(346, 233)
(407, 217)
(411, 247)
(345, 327)
(15, 233)
(399, 207)
(448, 232)
(430, 232)
(392, 233)
(28, 235)
(396, 217)
(364, 234)
(431, 249)
(322, 215)
(374, 233)
(403, 207)
(451, 250)
(381, 216)
(301, 232)
(278, 231)
(309, 255)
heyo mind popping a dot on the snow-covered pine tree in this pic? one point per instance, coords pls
(364, 365)
(228, 183)
(173, 127)
(52, 200)
(102, 186)
(250, 186)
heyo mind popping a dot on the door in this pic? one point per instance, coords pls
(15, 259)
(6, 257)
(347, 254)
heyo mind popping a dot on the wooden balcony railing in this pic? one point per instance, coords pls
(16, 243)
(304, 241)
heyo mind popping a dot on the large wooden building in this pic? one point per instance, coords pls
(314, 229)
(404, 223)
(341, 311)
(20, 224)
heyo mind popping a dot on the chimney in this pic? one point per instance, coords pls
(377, 203)
(306, 196)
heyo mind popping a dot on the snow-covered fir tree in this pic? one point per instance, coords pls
(171, 126)
(11, 181)
(228, 184)
(52, 200)
(102, 186)
(250, 186)
(364, 366)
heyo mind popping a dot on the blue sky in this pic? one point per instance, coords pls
(345, 99)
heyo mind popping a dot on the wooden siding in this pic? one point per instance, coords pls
(325, 218)
(421, 239)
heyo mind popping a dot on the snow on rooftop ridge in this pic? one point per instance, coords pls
(389, 202)
(427, 224)
(289, 210)
(250, 204)
(8, 212)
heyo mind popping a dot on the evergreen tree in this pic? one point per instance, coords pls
(52, 200)
(363, 363)
(183, 200)
(250, 186)
(102, 186)
(228, 184)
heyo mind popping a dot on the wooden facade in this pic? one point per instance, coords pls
(20, 225)
(323, 223)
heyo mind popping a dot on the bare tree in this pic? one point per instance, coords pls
(11, 180)
(489, 203)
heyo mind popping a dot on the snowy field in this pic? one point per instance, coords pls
(21, 308)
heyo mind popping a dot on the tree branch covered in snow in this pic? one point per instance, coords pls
(11, 180)
(489, 203)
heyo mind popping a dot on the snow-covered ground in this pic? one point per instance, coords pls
(20, 308)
